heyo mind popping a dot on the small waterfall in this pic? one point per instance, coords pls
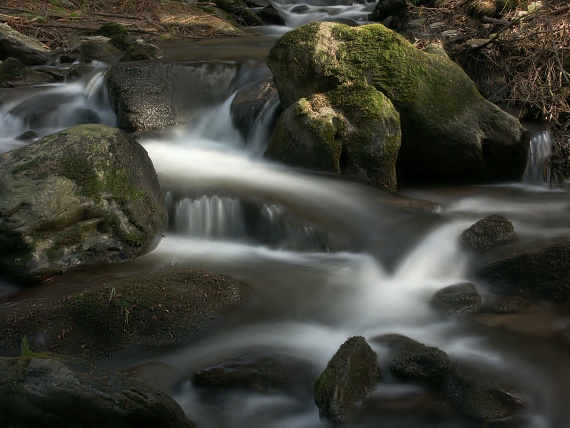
(537, 171)
(212, 217)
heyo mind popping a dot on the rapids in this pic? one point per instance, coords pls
(326, 258)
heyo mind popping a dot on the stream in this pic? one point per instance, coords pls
(325, 257)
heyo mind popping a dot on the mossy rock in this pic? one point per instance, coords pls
(111, 29)
(352, 130)
(449, 131)
(82, 196)
(14, 73)
(351, 374)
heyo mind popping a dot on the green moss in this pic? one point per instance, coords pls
(81, 171)
(26, 351)
(111, 29)
(27, 166)
(11, 69)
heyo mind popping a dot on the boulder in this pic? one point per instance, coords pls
(152, 95)
(23, 48)
(391, 12)
(414, 361)
(54, 391)
(14, 73)
(449, 131)
(488, 233)
(117, 315)
(542, 272)
(79, 197)
(457, 298)
(257, 371)
(351, 374)
(270, 16)
(352, 130)
(141, 51)
(98, 48)
(481, 396)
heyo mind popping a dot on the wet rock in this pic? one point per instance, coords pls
(158, 375)
(54, 391)
(414, 361)
(14, 73)
(250, 102)
(17, 45)
(141, 51)
(119, 314)
(153, 95)
(270, 16)
(111, 29)
(488, 233)
(83, 196)
(98, 48)
(302, 8)
(258, 371)
(450, 132)
(27, 136)
(351, 374)
(505, 305)
(480, 396)
(542, 271)
(392, 13)
(352, 130)
(457, 298)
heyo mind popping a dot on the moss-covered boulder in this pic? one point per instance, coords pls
(54, 391)
(82, 196)
(352, 130)
(449, 131)
(120, 314)
(351, 374)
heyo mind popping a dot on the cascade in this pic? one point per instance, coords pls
(537, 170)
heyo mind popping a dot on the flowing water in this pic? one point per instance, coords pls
(326, 258)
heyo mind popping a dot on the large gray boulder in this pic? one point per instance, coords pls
(352, 130)
(24, 48)
(52, 391)
(351, 374)
(82, 196)
(542, 271)
(449, 131)
(153, 95)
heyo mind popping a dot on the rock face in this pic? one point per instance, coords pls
(351, 374)
(488, 233)
(122, 314)
(154, 95)
(352, 130)
(79, 197)
(51, 391)
(449, 131)
(17, 45)
(541, 272)
(457, 298)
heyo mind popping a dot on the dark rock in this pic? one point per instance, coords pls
(488, 233)
(98, 48)
(19, 46)
(27, 136)
(158, 375)
(110, 29)
(414, 361)
(14, 73)
(505, 305)
(351, 374)
(480, 396)
(151, 95)
(52, 391)
(270, 16)
(250, 102)
(78, 70)
(141, 51)
(542, 271)
(258, 371)
(302, 8)
(118, 314)
(392, 12)
(83, 196)
(458, 298)
(67, 59)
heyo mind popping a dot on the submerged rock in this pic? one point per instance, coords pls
(488, 233)
(351, 374)
(54, 391)
(352, 130)
(542, 271)
(23, 48)
(458, 298)
(121, 314)
(449, 131)
(80, 197)
(258, 371)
